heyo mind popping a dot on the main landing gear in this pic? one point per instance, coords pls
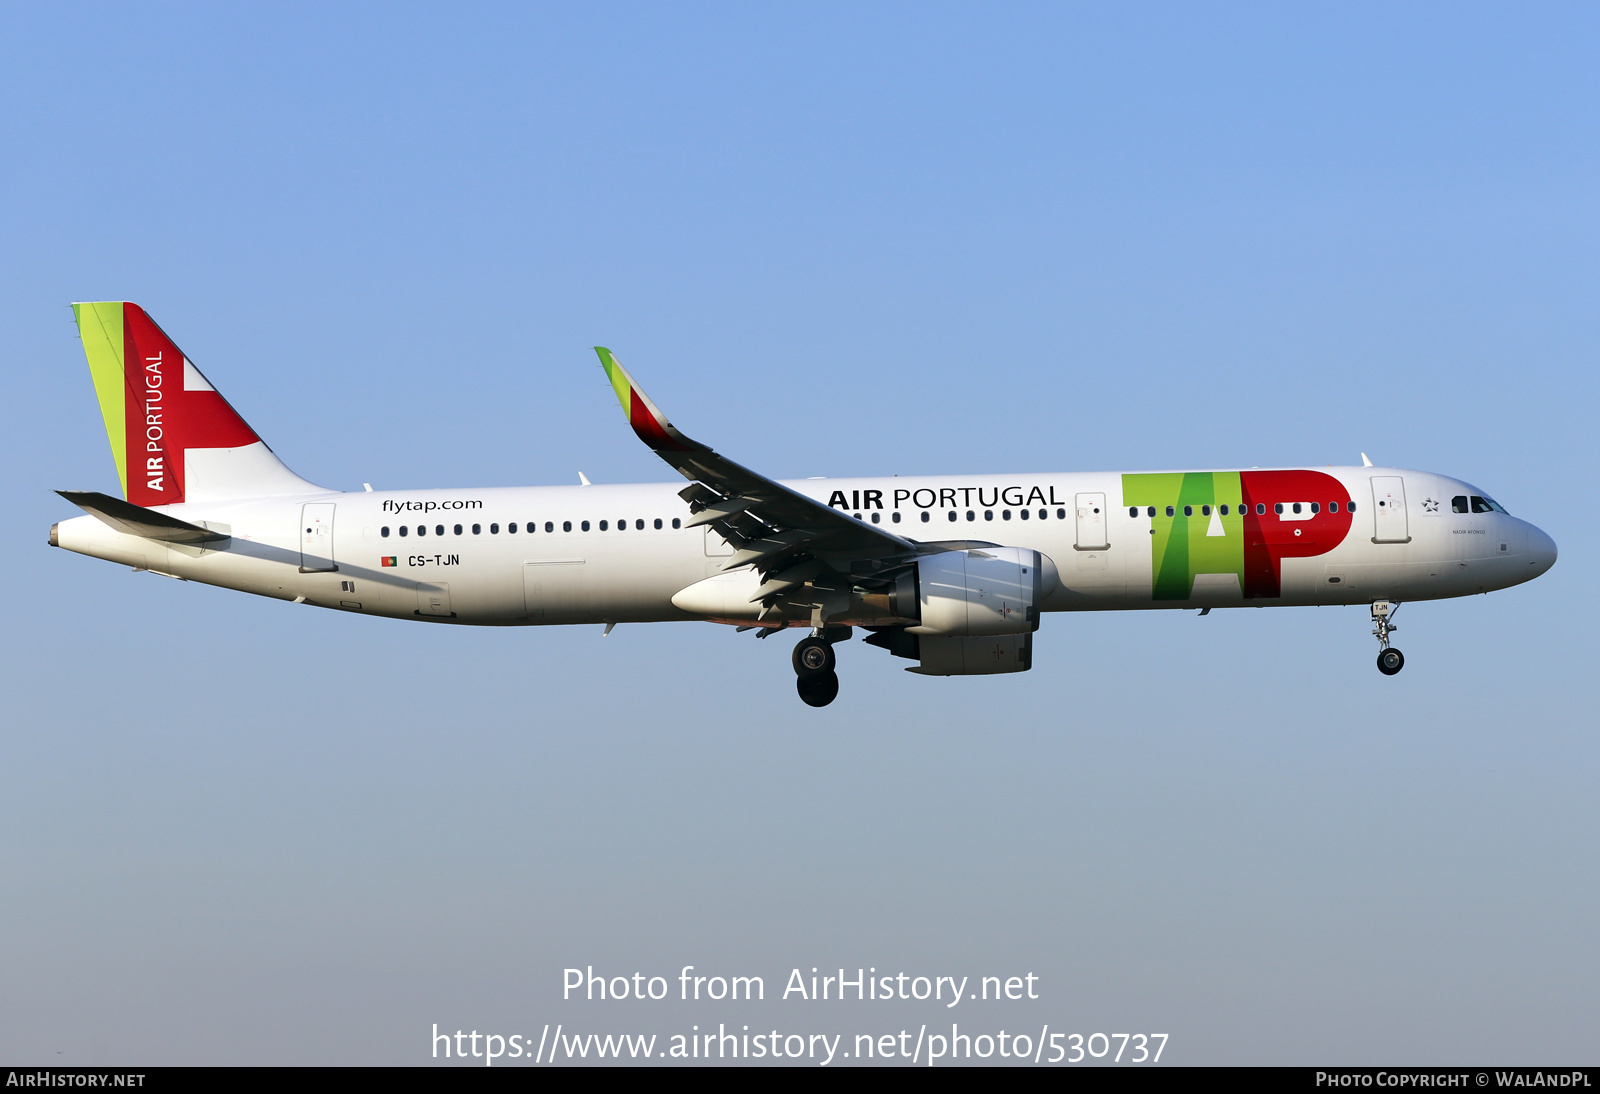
(816, 681)
(1390, 660)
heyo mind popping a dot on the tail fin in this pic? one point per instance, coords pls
(173, 436)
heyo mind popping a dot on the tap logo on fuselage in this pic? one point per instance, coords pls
(1243, 523)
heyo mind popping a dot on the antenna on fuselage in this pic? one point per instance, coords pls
(1364, 461)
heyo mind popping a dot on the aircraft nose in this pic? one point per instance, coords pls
(1541, 550)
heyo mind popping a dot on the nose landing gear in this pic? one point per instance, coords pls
(1390, 660)
(816, 681)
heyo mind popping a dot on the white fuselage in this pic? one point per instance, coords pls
(611, 554)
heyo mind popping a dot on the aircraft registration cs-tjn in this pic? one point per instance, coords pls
(954, 573)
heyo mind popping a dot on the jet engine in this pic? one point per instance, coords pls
(976, 611)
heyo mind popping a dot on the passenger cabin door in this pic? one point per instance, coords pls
(1389, 510)
(1092, 523)
(316, 538)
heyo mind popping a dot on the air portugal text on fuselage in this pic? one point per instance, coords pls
(866, 499)
(951, 573)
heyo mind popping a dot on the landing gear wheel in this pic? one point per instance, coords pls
(818, 690)
(813, 657)
(1391, 661)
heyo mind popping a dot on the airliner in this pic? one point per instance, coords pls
(952, 572)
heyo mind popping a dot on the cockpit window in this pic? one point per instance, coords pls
(1458, 504)
(1486, 505)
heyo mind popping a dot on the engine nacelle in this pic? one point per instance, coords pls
(982, 592)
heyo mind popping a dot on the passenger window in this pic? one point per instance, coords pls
(1224, 509)
(1005, 514)
(1296, 507)
(971, 515)
(896, 517)
(477, 529)
(584, 526)
(422, 529)
(952, 516)
(638, 525)
(458, 529)
(1349, 507)
(1458, 504)
(876, 518)
(566, 526)
(1150, 511)
(1061, 514)
(1188, 510)
(1171, 511)
(404, 530)
(1333, 507)
(1315, 508)
(1024, 513)
(1278, 508)
(512, 527)
(658, 524)
(1261, 508)
(1133, 510)
(676, 521)
(988, 514)
(494, 529)
(384, 531)
(1205, 510)
(1479, 505)
(604, 526)
(438, 530)
(925, 517)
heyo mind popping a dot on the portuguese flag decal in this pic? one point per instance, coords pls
(390, 560)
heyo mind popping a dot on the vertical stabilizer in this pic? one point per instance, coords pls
(173, 436)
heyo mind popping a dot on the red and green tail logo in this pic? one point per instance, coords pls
(155, 403)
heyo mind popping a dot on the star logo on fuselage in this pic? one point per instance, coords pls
(1430, 504)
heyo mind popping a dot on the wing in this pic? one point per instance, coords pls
(788, 537)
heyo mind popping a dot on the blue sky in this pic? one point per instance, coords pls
(828, 240)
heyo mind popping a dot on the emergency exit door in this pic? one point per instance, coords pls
(1389, 510)
(316, 538)
(1092, 523)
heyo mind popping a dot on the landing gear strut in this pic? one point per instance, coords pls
(816, 681)
(1390, 660)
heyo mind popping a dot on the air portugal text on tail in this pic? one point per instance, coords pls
(952, 572)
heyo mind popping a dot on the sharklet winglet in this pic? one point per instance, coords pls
(642, 413)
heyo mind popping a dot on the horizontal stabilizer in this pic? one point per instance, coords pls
(136, 520)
